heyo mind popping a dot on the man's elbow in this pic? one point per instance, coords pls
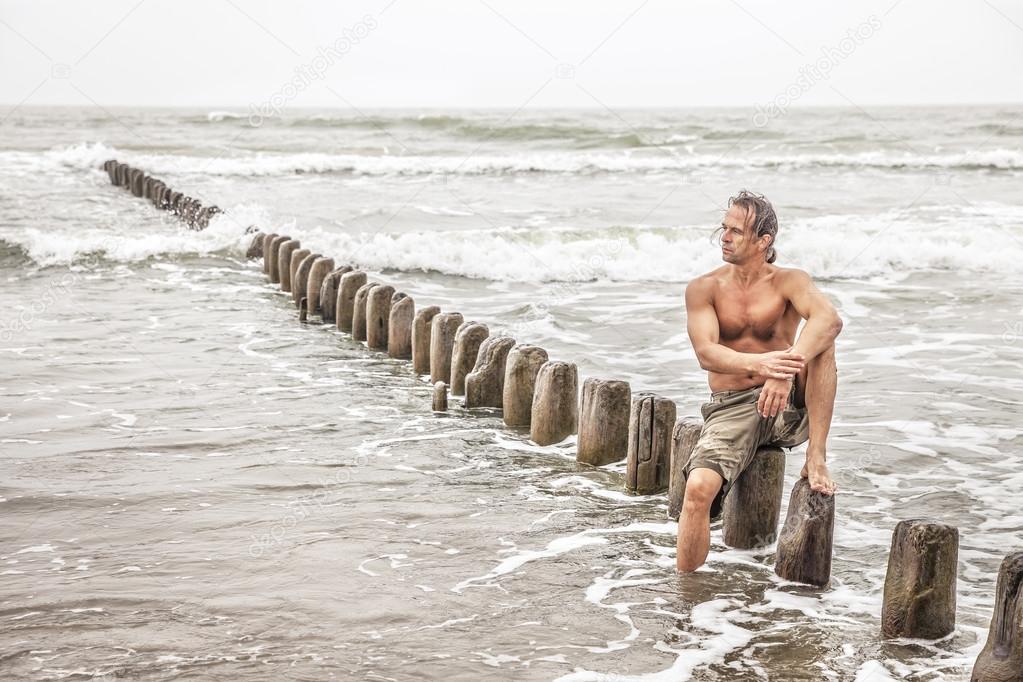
(835, 327)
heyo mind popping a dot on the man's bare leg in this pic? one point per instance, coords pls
(694, 522)
(819, 398)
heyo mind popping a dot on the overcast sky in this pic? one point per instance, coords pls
(243, 54)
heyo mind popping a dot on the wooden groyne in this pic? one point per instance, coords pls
(460, 357)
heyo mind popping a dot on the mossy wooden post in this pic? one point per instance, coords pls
(422, 324)
(555, 412)
(442, 342)
(520, 370)
(805, 543)
(920, 587)
(273, 268)
(351, 282)
(651, 421)
(399, 326)
(301, 278)
(440, 397)
(484, 385)
(753, 506)
(255, 249)
(359, 311)
(1001, 660)
(604, 422)
(317, 273)
(684, 438)
(329, 291)
(378, 315)
(468, 339)
(285, 252)
(297, 256)
(267, 240)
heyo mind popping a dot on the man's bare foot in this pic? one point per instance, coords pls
(816, 469)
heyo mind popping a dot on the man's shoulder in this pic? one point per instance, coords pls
(792, 277)
(704, 284)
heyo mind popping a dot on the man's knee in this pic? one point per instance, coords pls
(702, 487)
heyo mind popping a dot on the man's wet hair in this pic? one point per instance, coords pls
(764, 219)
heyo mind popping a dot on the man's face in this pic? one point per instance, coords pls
(737, 244)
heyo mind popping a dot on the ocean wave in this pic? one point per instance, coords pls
(90, 156)
(978, 239)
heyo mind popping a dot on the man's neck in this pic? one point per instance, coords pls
(747, 273)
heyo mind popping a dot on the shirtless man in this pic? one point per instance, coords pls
(768, 387)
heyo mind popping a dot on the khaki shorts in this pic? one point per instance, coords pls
(733, 430)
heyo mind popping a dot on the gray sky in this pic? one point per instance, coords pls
(252, 54)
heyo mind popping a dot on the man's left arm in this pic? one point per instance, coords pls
(823, 324)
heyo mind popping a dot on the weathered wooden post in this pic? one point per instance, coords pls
(267, 240)
(174, 201)
(684, 438)
(520, 370)
(300, 279)
(805, 543)
(351, 282)
(422, 324)
(329, 291)
(399, 326)
(297, 256)
(378, 315)
(136, 182)
(440, 397)
(273, 267)
(753, 506)
(468, 339)
(604, 422)
(285, 252)
(1001, 660)
(359, 311)
(484, 385)
(255, 249)
(651, 421)
(555, 412)
(920, 587)
(317, 273)
(442, 342)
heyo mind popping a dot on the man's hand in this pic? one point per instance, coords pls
(774, 397)
(779, 364)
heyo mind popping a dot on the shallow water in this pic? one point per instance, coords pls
(199, 486)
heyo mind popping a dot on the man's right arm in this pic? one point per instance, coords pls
(704, 334)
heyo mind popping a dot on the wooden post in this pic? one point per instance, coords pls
(442, 342)
(421, 326)
(804, 546)
(484, 385)
(297, 256)
(273, 267)
(1001, 660)
(303, 309)
(753, 505)
(399, 326)
(684, 438)
(255, 249)
(329, 291)
(136, 182)
(555, 412)
(440, 397)
(520, 370)
(920, 587)
(468, 338)
(651, 421)
(300, 279)
(359, 311)
(604, 422)
(378, 315)
(267, 240)
(285, 252)
(317, 273)
(351, 282)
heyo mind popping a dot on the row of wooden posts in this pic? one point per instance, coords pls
(533, 392)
